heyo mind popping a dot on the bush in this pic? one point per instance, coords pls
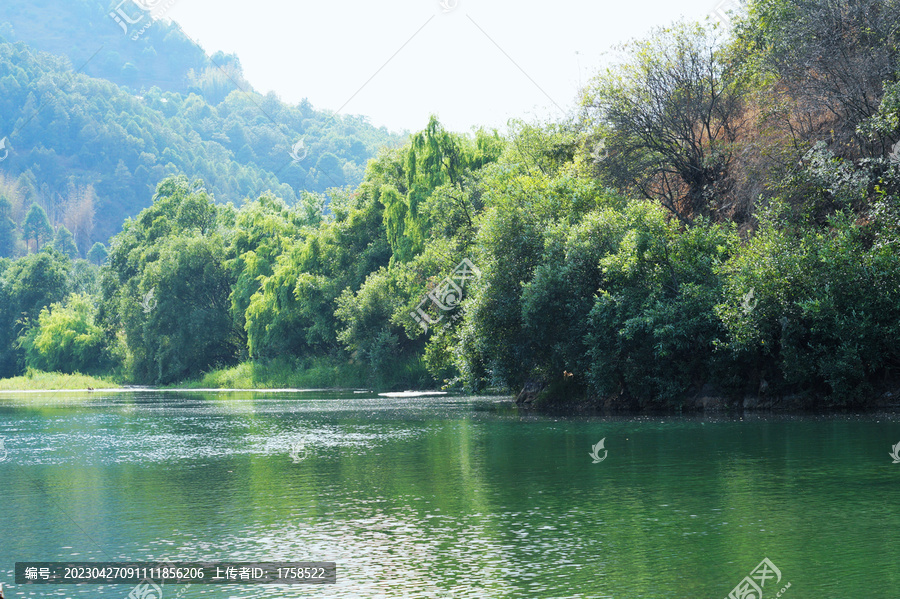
(653, 325)
(817, 310)
(65, 339)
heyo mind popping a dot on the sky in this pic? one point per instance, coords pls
(472, 63)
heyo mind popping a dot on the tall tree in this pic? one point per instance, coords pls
(166, 287)
(667, 120)
(7, 229)
(37, 226)
(78, 214)
(28, 285)
(97, 254)
(64, 242)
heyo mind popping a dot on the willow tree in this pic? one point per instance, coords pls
(435, 159)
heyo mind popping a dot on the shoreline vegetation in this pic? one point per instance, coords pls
(562, 397)
(716, 228)
(34, 380)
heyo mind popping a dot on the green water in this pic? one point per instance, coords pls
(448, 497)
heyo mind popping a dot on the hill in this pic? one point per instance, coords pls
(86, 112)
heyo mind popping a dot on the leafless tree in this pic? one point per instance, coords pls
(667, 120)
(830, 60)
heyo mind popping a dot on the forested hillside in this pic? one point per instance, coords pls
(93, 133)
(77, 29)
(719, 223)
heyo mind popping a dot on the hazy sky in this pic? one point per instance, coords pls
(471, 62)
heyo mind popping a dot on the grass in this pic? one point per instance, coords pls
(280, 374)
(35, 380)
(316, 373)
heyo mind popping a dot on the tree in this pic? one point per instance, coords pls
(292, 312)
(667, 120)
(7, 229)
(65, 339)
(78, 213)
(186, 328)
(166, 287)
(97, 254)
(827, 63)
(64, 242)
(263, 230)
(825, 307)
(37, 226)
(28, 285)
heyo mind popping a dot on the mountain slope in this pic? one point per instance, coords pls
(66, 131)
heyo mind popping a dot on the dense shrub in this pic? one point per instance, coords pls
(66, 339)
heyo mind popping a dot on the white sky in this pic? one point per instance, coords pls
(338, 53)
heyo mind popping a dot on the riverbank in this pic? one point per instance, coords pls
(319, 373)
(570, 397)
(562, 396)
(35, 380)
(279, 375)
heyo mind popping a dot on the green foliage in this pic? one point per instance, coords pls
(824, 312)
(34, 380)
(27, 286)
(367, 318)
(653, 326)
(495, 347)
(37, 226)
(292, 312)
(526, 213)
(166, 286)
(84, 278)
(263, 230)
(7, 229)
(97, 254)
(65, 339)
(435, 159)
(64, 243)
(310, 373)
(557, 301)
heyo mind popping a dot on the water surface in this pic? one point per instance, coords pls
(448, 497)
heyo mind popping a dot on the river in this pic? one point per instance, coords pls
(448, 497)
